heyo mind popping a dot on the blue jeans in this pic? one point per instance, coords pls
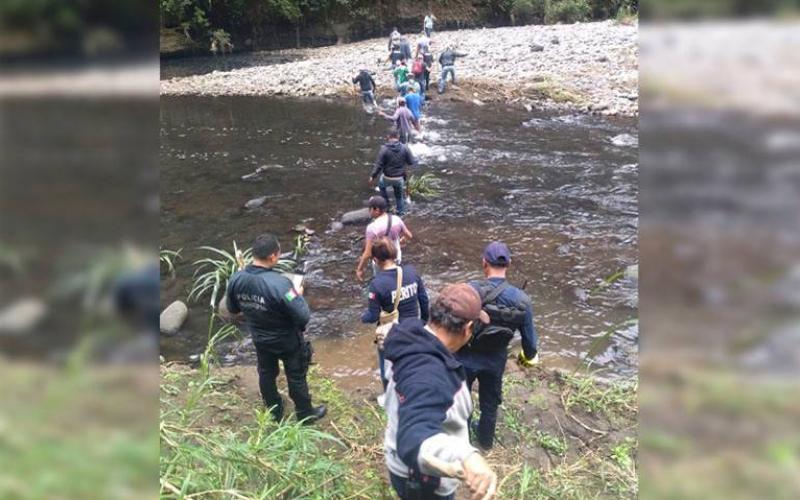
(428, 32)
(398, 186)
(443, 77)
(426, 493)
(381, 358)
(368, 97)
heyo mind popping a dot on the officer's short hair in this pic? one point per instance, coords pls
(265, 246)
(383, 249)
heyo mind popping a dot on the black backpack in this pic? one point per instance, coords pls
(504, 320)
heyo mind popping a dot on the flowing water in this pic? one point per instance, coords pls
(560, 189)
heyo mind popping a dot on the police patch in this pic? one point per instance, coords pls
(290, 295)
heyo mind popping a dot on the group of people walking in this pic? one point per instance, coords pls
(430, 352)
(411, 75)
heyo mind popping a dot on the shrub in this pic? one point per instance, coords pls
(566, 11)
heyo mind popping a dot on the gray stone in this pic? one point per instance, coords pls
(555, 40)
(22, 316)
(632, 272)
(255, 202)
(535, 47)
(173, 317)
(356, 216)
(222, 309)
(337, 226)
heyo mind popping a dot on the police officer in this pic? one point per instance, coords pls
(484, 357)
(275, 314)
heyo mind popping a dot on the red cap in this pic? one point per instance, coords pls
(464, 302)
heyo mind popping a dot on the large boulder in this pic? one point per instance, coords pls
(356, 216)
(22, 316)
(222, 309)
(173, 317)
(255, 202)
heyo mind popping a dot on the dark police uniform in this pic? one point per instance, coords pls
(488, 365)
(275, 315)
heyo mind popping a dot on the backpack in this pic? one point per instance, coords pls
(416, 68)
(504, 320)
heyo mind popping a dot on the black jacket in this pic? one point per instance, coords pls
(365, 80)
(448, 57)
(392, 160)
(274, 312)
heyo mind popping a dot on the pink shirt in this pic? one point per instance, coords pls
(377, 229)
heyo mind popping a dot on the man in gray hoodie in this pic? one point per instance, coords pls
(428, 404)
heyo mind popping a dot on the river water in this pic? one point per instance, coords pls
(560, 189)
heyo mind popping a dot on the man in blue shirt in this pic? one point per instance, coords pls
(484, 358)
(414, 103)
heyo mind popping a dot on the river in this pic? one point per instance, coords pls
(560, 189)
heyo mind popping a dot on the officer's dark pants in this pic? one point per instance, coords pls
(296, 368)
(400, 485)
(490, 392)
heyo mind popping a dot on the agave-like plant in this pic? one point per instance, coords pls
(212, 273)
(423, 186)
(168, 258)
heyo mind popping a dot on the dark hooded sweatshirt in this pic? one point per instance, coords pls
(392, 160)
(427, 403)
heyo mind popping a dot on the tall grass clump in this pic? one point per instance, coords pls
(167, 260)
(212, 273)
(424, 186)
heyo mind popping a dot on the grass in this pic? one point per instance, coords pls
(212, 273)
(167, 260)
(424, 186)
(607, 399)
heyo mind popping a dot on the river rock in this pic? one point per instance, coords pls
(255, 202)
(632, 272)
(555, 40)
(336, 226)
(222, 308)
(22, 316)
(173, 317)
(356, 216)
(535, 47)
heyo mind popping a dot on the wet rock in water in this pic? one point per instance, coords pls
(22, 316)
(222, 308)
(581, 294)
(173, 317)
(632, 272)
(255, 202)
(302, 228)
(564, 249)
(624, 140)
(535, 47)
(356, 216)
(336, 226)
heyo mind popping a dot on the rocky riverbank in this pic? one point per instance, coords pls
(585, 66)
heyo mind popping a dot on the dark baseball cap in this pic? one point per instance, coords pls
(378, 202)
(497, 253)
(464, 302)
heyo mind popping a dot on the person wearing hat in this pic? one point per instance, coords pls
(428, 404)
(384, 224)
(484, 357)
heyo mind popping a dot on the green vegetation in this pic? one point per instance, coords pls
(212, 273)
(77, 432)
(167, 260)
(424, 186)
(564, 11)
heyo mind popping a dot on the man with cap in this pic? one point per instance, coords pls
(484, 357)
(428, 403)
(384, 224)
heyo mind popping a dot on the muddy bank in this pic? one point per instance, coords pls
(583, 66)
